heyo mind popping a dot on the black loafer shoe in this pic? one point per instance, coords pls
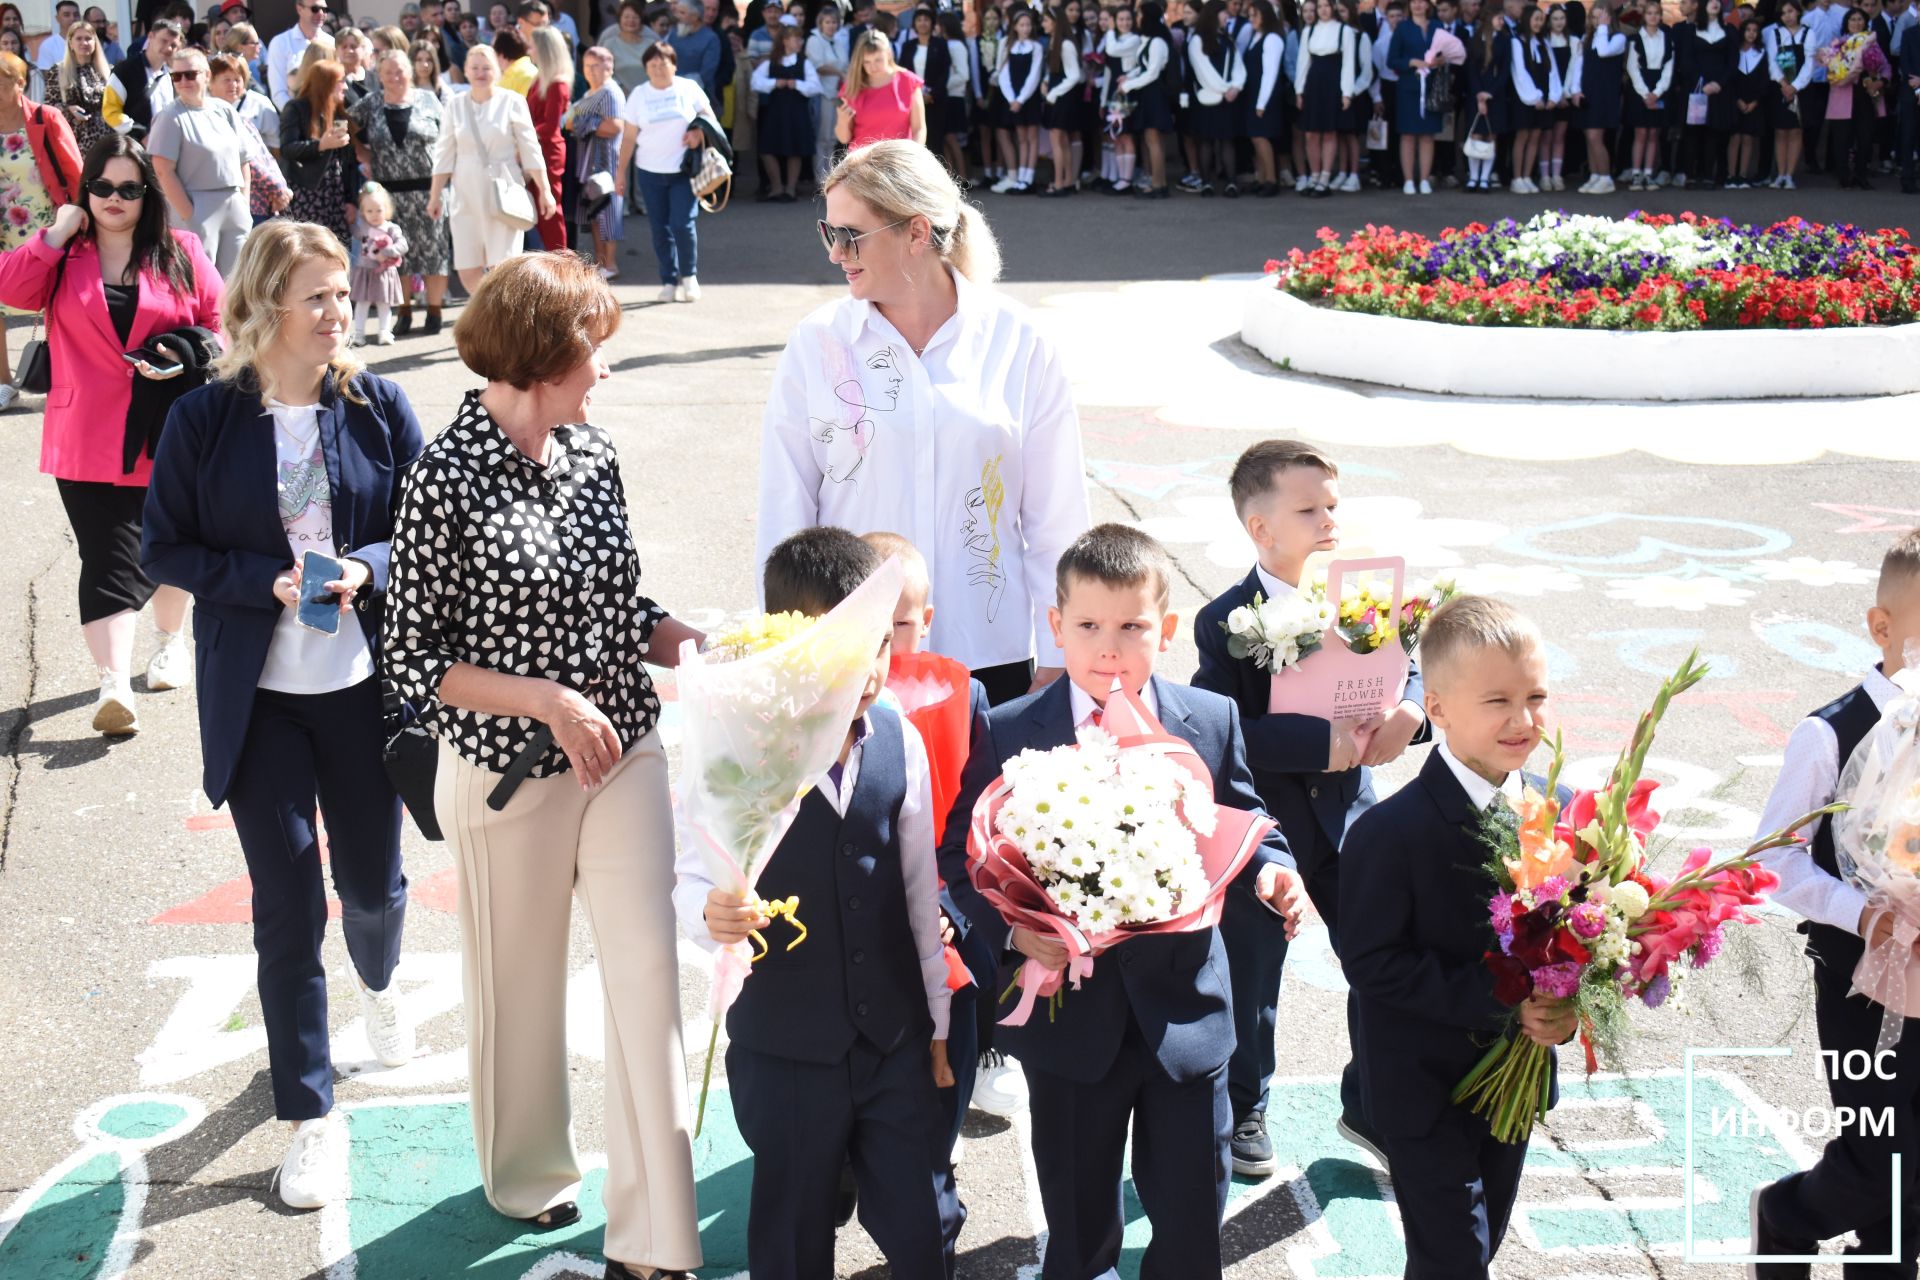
(564, 1214)
(1252, 1148)
(1768, 1243)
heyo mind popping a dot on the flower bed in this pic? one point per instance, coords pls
(1645, 272)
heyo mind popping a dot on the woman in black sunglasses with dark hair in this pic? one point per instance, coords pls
(113, 245)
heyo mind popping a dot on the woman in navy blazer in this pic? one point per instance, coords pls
(290, 716)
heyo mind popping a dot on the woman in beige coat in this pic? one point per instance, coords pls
(487, 133)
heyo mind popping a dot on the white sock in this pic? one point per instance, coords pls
(385, 313)
(1124, 163)
(360, 319)
(1559, 166)
(1026, 175)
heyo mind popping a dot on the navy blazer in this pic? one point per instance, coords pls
(213, 529)
(1287, 752)
(1173, 985)
(1414, 933)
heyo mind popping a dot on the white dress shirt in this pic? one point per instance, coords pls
(1480, 792)
(283, 59)
(971, 451)
(1328, 40)
(1085, 708)
(1524, 87)
(1658, 47)
(1809, 777)
(919, 870)
(1036, 64)
(1778, 35)
(1272, 54)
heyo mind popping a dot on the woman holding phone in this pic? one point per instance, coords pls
(290, 715)
(316, 150)
(113, 251)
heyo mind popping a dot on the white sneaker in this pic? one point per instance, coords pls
(1407, 188)
(1586, 188)
(172, 664)
(1001, 1090)
(315, 1170)
(668, 293)
(1426, 188)
(1352, 184)
(1559, 182)
(1303, 182)
(388, 1030)
(689, 290)
(113, 712)
(1786, 182)
(1602, 186)
(1520, 186)
(1005, 185)
(385, 339)
(1662, 178)
(9, 396)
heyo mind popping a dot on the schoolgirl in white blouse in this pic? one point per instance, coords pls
(1019, 82)
(926, 404)
(1324, 82)
(1121, 49)
(1536, 86)
(1650, 65)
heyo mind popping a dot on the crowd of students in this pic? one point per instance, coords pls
(1250, 97)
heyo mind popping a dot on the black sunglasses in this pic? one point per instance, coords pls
(128, 191)
(178, 76)
(831, 235)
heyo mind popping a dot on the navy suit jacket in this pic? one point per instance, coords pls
(1173, 985)
(212, 528)
(1288, 753)
(1908, 63)
(1414, 932)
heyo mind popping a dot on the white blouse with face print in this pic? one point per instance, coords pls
(972, 451)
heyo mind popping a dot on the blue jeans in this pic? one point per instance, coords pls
(671, 210)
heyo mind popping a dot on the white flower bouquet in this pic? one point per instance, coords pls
(1277, 634)
(1113, 837)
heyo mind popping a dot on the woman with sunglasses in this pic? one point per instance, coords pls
(199, 146)
(663, 124)
(927, 404)
(111, 250)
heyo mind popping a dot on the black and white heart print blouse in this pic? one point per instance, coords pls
(515, 567)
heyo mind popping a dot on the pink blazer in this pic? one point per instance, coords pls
(92, 387)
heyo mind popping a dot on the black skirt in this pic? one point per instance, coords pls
(1781, 113)
(786, 125)
(1642, 116)
(1153, 108)
(1320, 110)
(1216, 123)
(106, 530)
(1067, 115)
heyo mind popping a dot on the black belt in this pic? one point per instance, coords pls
(399, 185)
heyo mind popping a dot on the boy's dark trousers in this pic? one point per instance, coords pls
(1180, 1163)
(803, 1120)
(1455, 1187)
(1256, 946)
(1850, 1187)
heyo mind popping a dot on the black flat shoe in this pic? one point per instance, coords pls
(403, 323)
(621, 1271)
(564, 1214)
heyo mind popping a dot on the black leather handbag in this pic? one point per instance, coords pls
(36, 358)
(411, 755)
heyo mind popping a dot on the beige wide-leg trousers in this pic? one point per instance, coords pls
(518, 871)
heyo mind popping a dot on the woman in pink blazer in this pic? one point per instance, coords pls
(111, 277)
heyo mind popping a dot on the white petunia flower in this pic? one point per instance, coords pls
(1690, 595)
(1811, 571)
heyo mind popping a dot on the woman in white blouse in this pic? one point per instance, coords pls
(926, 404)
(487, 134)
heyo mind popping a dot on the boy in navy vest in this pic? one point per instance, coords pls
(1849, 1189)
(1145, 1040)
(1414, 929)
(1310, 773)
(837, 1046)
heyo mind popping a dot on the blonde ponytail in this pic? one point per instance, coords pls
(900, 180)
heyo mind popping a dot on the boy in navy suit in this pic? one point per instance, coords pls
(1849, 1188)
(1146, 1038)
(1312, 775)
(837, 1046)
(1414, 930)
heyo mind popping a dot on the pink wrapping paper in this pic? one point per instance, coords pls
(1335, 683)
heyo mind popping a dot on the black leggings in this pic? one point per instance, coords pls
(1853, 135)
(106, 528)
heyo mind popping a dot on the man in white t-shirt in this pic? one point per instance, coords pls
(54, 47)
(283, 54)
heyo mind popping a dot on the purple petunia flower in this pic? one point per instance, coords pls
(1657, 992)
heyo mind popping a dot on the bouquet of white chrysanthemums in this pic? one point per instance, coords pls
(1109, 835)
(1277, 634)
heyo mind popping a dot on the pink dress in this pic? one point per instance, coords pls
(885, 111)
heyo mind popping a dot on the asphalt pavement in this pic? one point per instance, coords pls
(133, 1088)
